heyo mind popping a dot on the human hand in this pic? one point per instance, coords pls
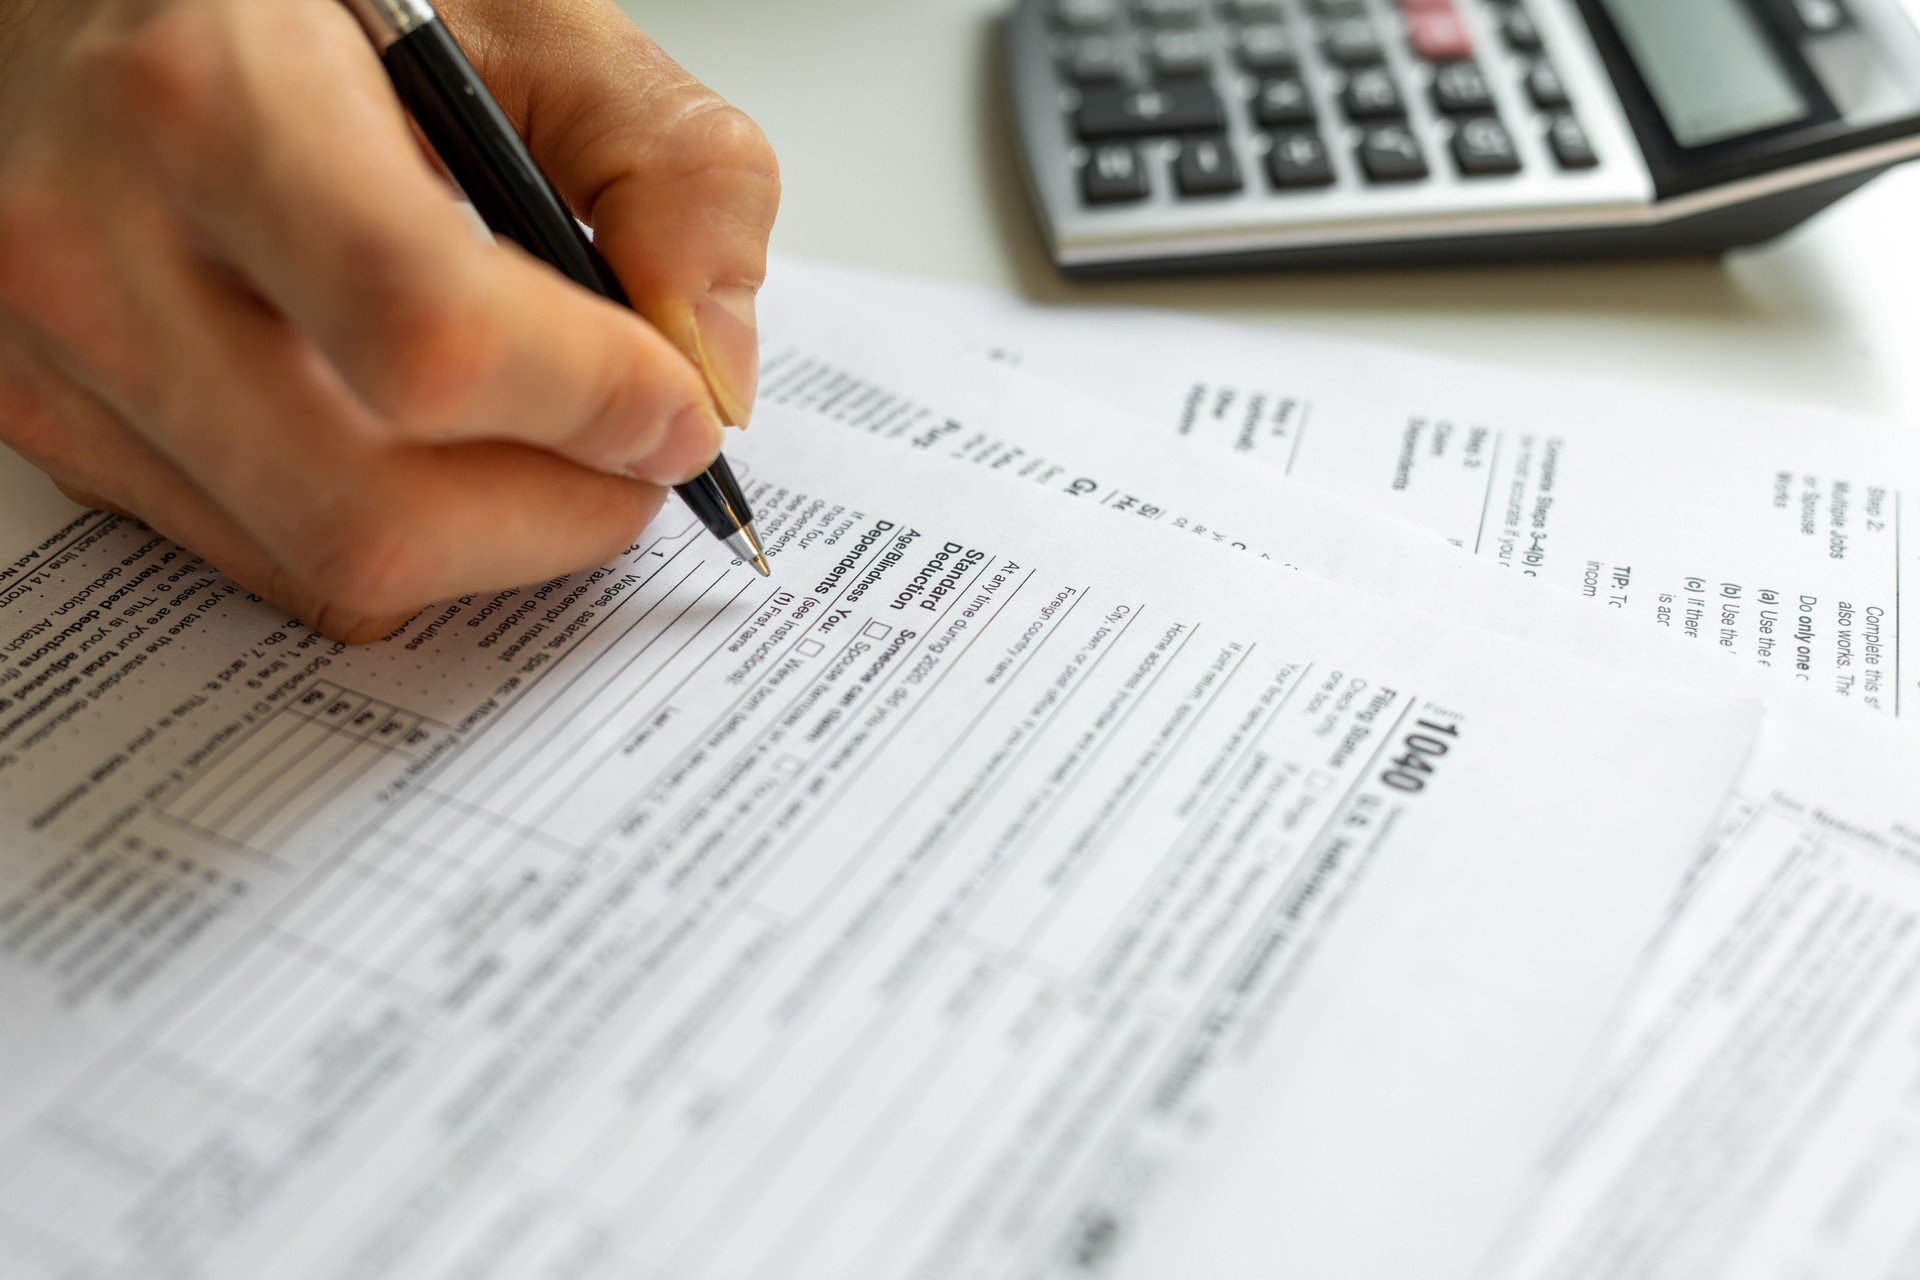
(238, 302)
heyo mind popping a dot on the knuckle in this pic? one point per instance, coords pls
(62, 292)
(434, 353)
(48, 423)
(164, 77)
(365, 567)
(85, 496)
(625, 528)
(34, 231)
(32, 427)
(352, 628)
(686, 133)
(733, 141)
(719, 143)
(79, 496)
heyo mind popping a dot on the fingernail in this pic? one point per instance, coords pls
(728, 334)
(691, 445)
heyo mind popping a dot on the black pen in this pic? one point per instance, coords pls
(478, 144)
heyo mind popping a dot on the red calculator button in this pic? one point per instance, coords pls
(1439, 37)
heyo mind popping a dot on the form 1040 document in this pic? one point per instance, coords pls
(1752, 1116)
(919, 912)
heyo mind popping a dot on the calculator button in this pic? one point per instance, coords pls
(1390, 153)
(1339, 8)
(1521, 32)
(1482, 147)
(1267, 47)
(1180, 53)
(1206, 167)
(1819, 17)
(1169, 13)
(1283, 100)
(1299, 158)
(1095, 59)
(1571, 146)
(1085, 15)
(1180, 107)
(1114, 174)
(1461, 87)
(1351, 41)
(1371, 94)
(1439, 36)
(1544, 85)
(1256, 10)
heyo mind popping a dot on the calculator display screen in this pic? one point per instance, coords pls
(1710, 66)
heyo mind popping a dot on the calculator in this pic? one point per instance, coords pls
(1167, 134)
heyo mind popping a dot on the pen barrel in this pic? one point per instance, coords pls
(474, 138)
(484, 153)
(715, 498)
(388, 20)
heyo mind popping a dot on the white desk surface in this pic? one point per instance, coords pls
(897, 153)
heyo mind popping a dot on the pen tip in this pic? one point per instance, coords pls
(745, 543)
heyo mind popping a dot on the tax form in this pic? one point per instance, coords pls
(1754, 1115)
(917, 912)
(1772, 535)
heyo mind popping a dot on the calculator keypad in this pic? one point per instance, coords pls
(1114, 174)
(1086, 15)
(1544, 86)
(1391, 153)
(1299, 158)
(1179, 106)
(1438, 35)
(1171, 13)
(1284, 100)
(1096, 59)
(1350, 42)
(1521, 32)
(1268, 46)
(1179, 96)
(1206, 167)
(1482, 147)
(1181, 52)
(1371, 93)
(1460, 88)
(1570, 145)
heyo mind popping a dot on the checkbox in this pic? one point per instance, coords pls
(810, 648)
(876, 631)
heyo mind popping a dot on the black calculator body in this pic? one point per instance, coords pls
(1180, 134)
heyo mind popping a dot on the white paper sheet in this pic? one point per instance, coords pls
(1757, 1117)
(1773, 534)
(910, 914)
(911, 387)
(1754, 1116)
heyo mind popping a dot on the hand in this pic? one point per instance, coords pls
(238, 302)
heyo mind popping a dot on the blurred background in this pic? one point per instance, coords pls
(897, 153)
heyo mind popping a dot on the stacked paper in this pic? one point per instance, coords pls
(1189, 802)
